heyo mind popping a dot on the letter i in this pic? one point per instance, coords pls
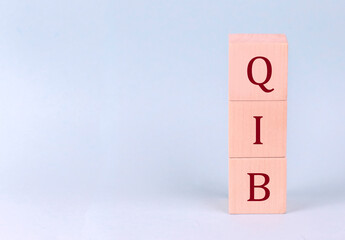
(257, 140)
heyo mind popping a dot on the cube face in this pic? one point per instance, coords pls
(246, 197)
(257, 128)
(251, 58)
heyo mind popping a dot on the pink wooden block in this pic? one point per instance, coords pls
(247, 139)
(257, 185)
(255, 59)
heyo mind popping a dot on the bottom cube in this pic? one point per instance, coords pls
(257, 185)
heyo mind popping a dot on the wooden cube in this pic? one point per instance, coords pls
(257, 128)
(258, 67)
(257, 185)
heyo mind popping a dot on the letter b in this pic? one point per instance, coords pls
(263, 186)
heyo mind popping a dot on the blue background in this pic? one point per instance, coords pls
(113, 119)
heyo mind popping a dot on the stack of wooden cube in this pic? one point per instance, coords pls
(258, 66)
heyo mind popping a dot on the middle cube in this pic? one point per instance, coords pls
(257, 128)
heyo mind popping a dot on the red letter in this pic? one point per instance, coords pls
(252, 186)
(268, 77)
(257, 140)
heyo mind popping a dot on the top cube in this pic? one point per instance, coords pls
(258, 65)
